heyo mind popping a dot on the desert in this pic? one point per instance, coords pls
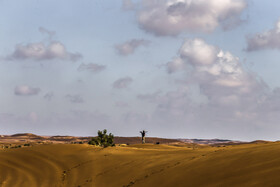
(170, 163)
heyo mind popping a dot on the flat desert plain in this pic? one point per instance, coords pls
(252, 164)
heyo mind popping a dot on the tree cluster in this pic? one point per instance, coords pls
(103, 139)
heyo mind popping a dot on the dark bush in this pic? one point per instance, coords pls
(103, 139)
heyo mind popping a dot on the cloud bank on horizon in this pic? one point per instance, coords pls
(177, 68)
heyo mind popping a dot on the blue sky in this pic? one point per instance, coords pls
(172, 67)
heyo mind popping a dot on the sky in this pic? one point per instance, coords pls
(176, 68)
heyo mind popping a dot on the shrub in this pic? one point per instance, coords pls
(103, 139)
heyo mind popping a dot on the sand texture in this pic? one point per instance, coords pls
(255, 164)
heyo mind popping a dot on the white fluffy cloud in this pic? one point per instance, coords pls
(41, 51)
(198, 52)
(26, 90)
(130, 46)
(122, 83)
(266, 40)
(171, 17)
(216, 93)
(211, 65)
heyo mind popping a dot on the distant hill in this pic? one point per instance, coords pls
(29, 137)
(23, 135)
(209, 141)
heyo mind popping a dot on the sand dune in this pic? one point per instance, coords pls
(256, 164)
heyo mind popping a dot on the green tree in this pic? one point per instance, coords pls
(103, 139)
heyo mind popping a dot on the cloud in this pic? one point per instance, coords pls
(176, 64)
(46, 31)
(40, 51)
(48, 96)
(26, 90)
(217, 95)
(75, 98)
(93, 68)
(209, 64)
(172, 17)
(213, 68)
(196, 51)
(130, 46)
(122, 83)
(266, 40)
(43, 51)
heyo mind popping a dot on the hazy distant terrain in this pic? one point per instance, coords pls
(32, 138)
(177, 164)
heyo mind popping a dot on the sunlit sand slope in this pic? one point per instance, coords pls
(141, 165)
